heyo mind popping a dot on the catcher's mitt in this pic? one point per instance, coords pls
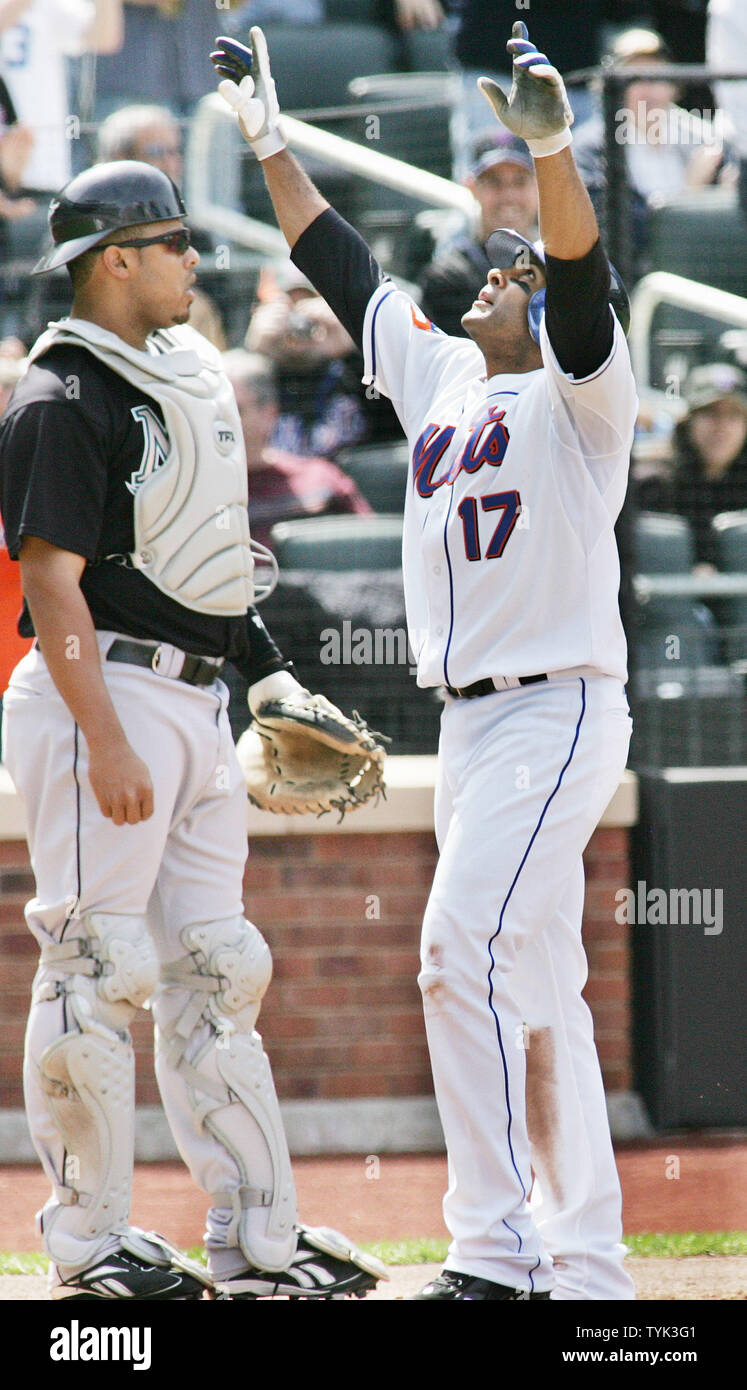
(303, 756)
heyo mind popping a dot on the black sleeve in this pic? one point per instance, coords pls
(578, 316)
(339, 264)
(53, 478)
(259, 655)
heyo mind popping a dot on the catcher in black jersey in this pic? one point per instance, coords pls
(123, 496)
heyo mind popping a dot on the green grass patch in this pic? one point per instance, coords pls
(682, 1243)
(417, 1252)
(678, 1245)
(28, 1263)
(409, 1252)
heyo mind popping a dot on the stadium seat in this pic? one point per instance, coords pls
(352, 11)
(339, 543)
(380, 473)
(702, 236)
(313, 64)
(670, 633)
(731, 541)
(427, 50)
(662, 544)
(730, 530)
(413, 110)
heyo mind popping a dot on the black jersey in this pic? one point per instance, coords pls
(76, 442)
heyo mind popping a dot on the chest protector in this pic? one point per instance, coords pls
(190, 515)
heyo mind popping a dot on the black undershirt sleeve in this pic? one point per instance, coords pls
(339, 264)
(257, 655)
(579, 320)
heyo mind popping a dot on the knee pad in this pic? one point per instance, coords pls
(112, 963)
(235, 958)
(213, 1049)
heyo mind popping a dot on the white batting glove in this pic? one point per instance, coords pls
(249, 90)
(537, 108)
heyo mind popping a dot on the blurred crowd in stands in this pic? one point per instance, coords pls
(88, 80)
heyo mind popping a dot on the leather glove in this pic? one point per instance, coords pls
(537, 107)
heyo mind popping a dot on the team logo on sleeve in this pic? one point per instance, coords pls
(486, 444)
(420, 321)
(155, 448)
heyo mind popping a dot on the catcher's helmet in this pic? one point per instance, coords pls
(103, 199)
(503, 249)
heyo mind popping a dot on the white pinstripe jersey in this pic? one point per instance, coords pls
(515, 484)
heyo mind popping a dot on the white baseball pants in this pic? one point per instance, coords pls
(182, 866)
(524, 777)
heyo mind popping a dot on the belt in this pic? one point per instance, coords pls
(166, 660)
(489, 687)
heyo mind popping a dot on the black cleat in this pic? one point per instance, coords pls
(326, 1265)
(125, 1275)
(451, 1285)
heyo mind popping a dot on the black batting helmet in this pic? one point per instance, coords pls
(104, 199)
(505, 246)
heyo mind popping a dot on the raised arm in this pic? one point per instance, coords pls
(248, 88)
(324, 246)
(567, 221)
(578, 318)
(537, 110)
(296, 201)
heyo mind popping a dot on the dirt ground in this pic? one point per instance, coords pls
(682, 1183)
(697, 1278)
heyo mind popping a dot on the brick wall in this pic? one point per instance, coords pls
(341, 913)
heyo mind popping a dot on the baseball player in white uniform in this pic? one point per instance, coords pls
(123, 493)
(519, 443)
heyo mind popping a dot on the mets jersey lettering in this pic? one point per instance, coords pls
(487, 443)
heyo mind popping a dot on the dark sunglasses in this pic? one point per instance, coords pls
(178, 241)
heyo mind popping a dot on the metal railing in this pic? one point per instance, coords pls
(663, 288)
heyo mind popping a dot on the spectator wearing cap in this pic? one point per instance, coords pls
(321, 409)
(282, 486)
(502, 181)
(706, 472)
(667, 149)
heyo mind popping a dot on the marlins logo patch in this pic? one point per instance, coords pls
(155, 448)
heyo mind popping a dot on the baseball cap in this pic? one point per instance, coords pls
(638, 46)
(501, 148)
(718, 381)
